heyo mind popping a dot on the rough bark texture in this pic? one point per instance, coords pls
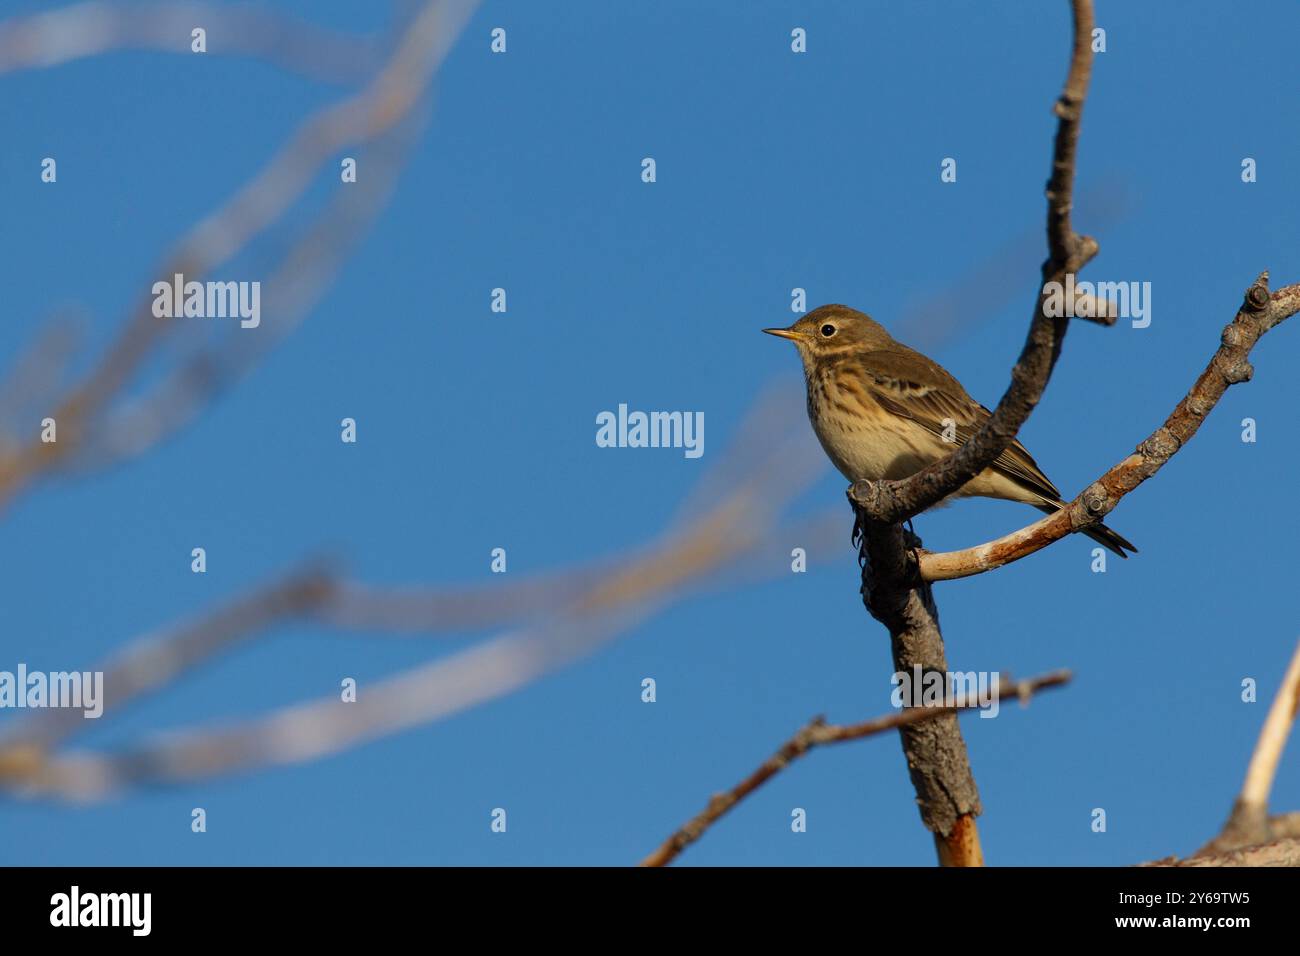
(935, 751)
(1278, 853)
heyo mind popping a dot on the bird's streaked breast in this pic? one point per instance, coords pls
(860, 437)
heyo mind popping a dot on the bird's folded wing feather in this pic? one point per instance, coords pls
(907, 383)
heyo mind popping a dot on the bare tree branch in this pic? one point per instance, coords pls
(936, 755)
(1251, 837)
(889, 502)
(1249, 823)
(817, 733)
(1259, 312)
(892, 589)
(1282, 852)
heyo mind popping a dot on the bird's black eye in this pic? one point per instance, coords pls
(828, 330)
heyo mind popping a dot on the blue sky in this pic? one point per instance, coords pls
(476, 430)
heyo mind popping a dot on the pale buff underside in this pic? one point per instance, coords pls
(883, 445)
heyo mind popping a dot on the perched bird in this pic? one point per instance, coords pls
(882, 410)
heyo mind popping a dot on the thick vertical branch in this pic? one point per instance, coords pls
(936, 754)
(892, 587)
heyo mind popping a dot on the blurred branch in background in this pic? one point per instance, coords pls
(299, 280)
(566, 613)
(386, 102)
(56, 37)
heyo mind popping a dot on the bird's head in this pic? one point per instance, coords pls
(831, 330)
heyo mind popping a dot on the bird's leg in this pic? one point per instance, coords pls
(859, 537)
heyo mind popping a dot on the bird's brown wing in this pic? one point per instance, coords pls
(908, 384)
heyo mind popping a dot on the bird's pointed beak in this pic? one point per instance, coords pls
(786, 334)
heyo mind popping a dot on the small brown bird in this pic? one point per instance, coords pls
(882, 410)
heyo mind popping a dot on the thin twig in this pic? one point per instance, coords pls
(817, 733)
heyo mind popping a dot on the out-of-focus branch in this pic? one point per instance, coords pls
(307, 731)
(568, 613)
(382, 105)
(817, 733)
(314, 729)
(156, 660)
(303, 275)
(991, 285)
(1259, 312)
(56, 37)
(37, 374)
